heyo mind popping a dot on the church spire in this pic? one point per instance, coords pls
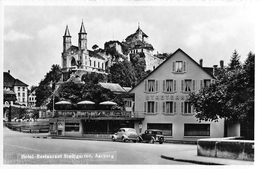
(82, 28)
(67, 32)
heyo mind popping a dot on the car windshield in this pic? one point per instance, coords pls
(132, 130)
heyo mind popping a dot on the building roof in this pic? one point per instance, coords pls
(114, 87)
(82, 28)
(67, 32)
(95, 55)
(178, 50)
(136, 32)
(10, 81)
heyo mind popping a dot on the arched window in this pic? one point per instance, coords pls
(73, 62)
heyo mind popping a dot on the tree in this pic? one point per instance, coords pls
(235, 61)
(94, 78)
(47, 85)
(231, 97)
(123, 73)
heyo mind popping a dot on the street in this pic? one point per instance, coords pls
(21, 148)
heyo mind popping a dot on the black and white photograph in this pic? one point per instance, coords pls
(135, 83)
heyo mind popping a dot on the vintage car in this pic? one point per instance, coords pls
(152, 135)
(125, 134)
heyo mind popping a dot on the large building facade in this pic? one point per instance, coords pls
(77, 60)
(18, 87)
(163, 97)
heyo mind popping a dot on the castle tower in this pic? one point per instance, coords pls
(66, 39)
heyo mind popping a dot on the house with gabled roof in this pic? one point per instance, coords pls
(163, 97)
(17, 86)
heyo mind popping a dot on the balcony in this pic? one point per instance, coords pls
(98, 114)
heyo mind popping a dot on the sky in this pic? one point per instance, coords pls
(32, 40)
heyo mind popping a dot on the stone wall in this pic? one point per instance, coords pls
(228, 148)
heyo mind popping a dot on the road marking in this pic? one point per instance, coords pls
(21, 147)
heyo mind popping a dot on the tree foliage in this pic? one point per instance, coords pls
(231, 97)
(122, 73)
(47, 85)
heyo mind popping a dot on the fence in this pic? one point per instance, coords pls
(29, 127)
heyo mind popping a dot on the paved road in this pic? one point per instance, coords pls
(21, 148)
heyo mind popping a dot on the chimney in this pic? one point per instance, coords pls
(214, 69)
(221, 64)
(8, 71)
(201, 62)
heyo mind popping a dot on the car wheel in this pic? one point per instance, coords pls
(134, 141)
(152, 141)
(161, 140)
(139, 140)
(123, 139)
(113, 139)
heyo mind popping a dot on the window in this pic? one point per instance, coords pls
(23, 88)
(169, 85)
(18, 88)
(72, 127)
(98, 65)
(166, 128)
(89, 62)
(150, 107)
(187, 107)
(169, 107)
(23, 94)
(94, 63)
(23, 99)
(128, 103)
(18, 94)
(196, 129)
(206, 82)
(151, 86)
(179, 66)
(102, 65)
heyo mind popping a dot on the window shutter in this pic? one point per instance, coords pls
(182, 107)
(164, 83)
(163, 107)
(145, 85)
(173, 66)
(182, 85)
(156, 85)
(194, 85)
(174, 107)
(145, 106)
(174, 85)
(156, 107)
(212, 81)
(184, 66)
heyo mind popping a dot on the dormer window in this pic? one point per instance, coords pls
(179, 66)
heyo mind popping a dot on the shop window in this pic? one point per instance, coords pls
(196, 129)
(166, 128)
(72, 127)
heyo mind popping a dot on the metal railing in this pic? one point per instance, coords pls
(96, 114)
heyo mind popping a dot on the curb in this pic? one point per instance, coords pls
(42, 137)
(190, 161)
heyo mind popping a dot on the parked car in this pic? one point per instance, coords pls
(125, 134)
(152, 135)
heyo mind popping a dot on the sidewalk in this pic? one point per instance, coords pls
(185, 156)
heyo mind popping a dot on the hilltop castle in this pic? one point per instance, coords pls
(77, 60)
